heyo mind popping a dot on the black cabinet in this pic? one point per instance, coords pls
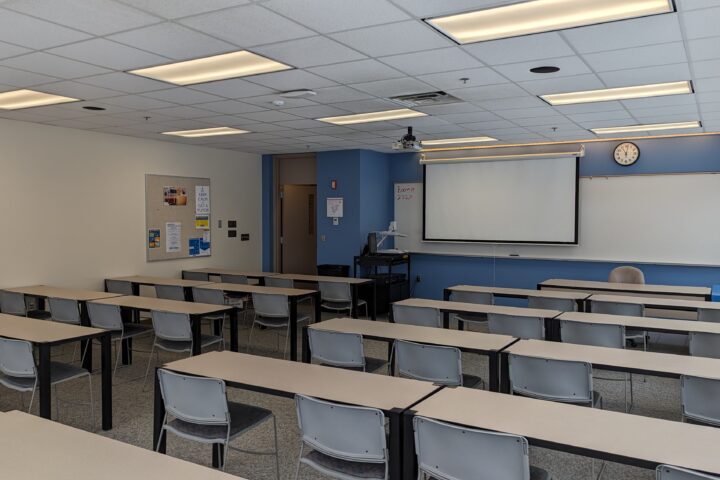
(391, 273)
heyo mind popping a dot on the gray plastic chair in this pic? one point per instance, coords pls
(700, 400)
(170, 292)
(199, 276)
(517, 326)
(562, 381)
(621, 308)
(18, 372)
(237, 279)
(667, 472)
(431, 363)
(347, 442)
(708, 315)
(122, 287)
(341, 349)
(197, 408)
(549, 303)
(446, 451)
(480, 298)
(173, 333)
(421, 316)
(109, 317)
(703, 344)
(64, 310)
(626, 274)
(337, 296)
(279, 282)
(273, 311)
(13, 303)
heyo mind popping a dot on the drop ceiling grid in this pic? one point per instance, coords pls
(292, 129)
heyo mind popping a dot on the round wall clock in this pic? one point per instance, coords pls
(626, 154)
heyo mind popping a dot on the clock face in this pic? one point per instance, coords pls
(626, 154)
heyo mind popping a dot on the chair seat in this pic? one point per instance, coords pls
(131, 330)
(471, 381)
(536, 473)
(242, 418)
(343, 469)
(59, 372)
(184, 346)
(39, 314)
(279, 322)
(340, 306)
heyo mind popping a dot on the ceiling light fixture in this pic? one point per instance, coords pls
(218, 67)
(206, 132)
(621, 93)
(646, 128)
(458, 141)
(372, 117)
(18, 99)
(537, 16)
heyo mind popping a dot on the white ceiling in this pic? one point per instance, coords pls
(354, 54)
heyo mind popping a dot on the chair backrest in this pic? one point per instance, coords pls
(431, 363)
(271, 305)
(703, 344)
(626, 274)
(617, 308)
(339, 349)
(64, 310)
(700, 399)
(200, 276)
(595, 334)
(549, 303)
(451, 452)
(279, 282)
(337, 292)
(668, 472)
(16, 358)
(119, 286)
(482, 298)
(708, 315)
(342, 431)
(549, 379)
(208, 295)
(170, 292)
(517, 326)
(238, 279)
(199, 400)
(13, 303)
(422, 316)
(172, 326)
(105, 316)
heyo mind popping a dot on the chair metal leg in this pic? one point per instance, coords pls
(32, 396)
(297, 468)
(162, 432)
(92, 401)
(147, 370)
(277, 454)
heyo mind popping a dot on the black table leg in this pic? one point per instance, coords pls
(494, 367)
(106, 366)
(395, 450)
(217, 326)
(504, 373)
(446, 320)
(44, 380)
(580, 305)
(128, 316)
(317, 299)
(391, 363)
(354, 302)
(187, 291)
(305, 345)
(195, 323)
(234, 330)
(218, 455)
(409, 461)
(158, 416)
(293, 328)
(374, 302)
(85, 345)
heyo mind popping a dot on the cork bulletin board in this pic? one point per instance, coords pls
(177, 217)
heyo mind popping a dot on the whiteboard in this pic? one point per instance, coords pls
(636, 218)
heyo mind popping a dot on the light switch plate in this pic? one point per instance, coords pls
(336, 221)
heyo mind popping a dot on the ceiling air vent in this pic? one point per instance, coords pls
(425, 99)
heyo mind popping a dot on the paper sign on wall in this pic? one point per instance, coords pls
(173, 237)
(202, 222)
(405, 191)
(154, 238)
(335, 207)
(202, 200)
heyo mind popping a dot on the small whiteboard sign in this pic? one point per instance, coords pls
(334, 207)
(405, 191)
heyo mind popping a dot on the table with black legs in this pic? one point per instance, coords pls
(137, 280)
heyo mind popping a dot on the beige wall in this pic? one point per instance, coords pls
(72, 204)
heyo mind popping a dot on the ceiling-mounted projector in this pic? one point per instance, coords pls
(408, 142)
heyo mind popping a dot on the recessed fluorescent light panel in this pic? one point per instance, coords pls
(372, 117)
(206, 132)
(18, 99)
(208, 69)
(458, 141)
(621, 93)
(537, 16)
(646, 128)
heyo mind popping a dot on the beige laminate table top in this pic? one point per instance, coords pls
(230, 271)
(33, 448)
(620, 358)
(461, 307)
(242, 288)
(413, 333)
(148, 280)
(649, 323)
(160, 304)
(657, 302)
(632, 436)
(333, 384)
(627, 287)
(42, 331)
(59, 292)
(321, 278)
(521, 292)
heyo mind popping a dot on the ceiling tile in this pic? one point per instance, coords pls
(21, 78)
(327, 16)
(520, 49)
(309, 52)
(543, 111)
(247, 26)
(403, 37)
(290, 80)
(357, 72)
(646, 75)
(78, 90)
(182, 8)
(549, 122)
(364, 106)
(518, 72)
(432, 61)
(52, 65)
(266, 102)
(704, 49)
(653, 102)
(488, 92)
(493, 124)
(475, 77)
(303, 123)
(7, 50)
(317, 111)
(183, 96)
(589, 107)
(137, 102)
(613, 115)
(708, 97)
(704, 69)
(701, 23)
(665, 110)
(233, 88)
(173, 41)
(99, 17)
(393, 87)
(269, 116)
(443, 7)
(260, 127)
(123, 82)
(35, 33)
(184, 111)
(508, 103)
(230, 107)
(687, 5)
(339, 94)
(624, 34)
(472, 117)
(462, 107)
(563, 84)
(637, 57)
(105, 53)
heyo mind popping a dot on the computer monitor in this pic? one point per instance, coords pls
(372, 243)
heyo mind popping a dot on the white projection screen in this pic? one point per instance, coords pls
(502, 201)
